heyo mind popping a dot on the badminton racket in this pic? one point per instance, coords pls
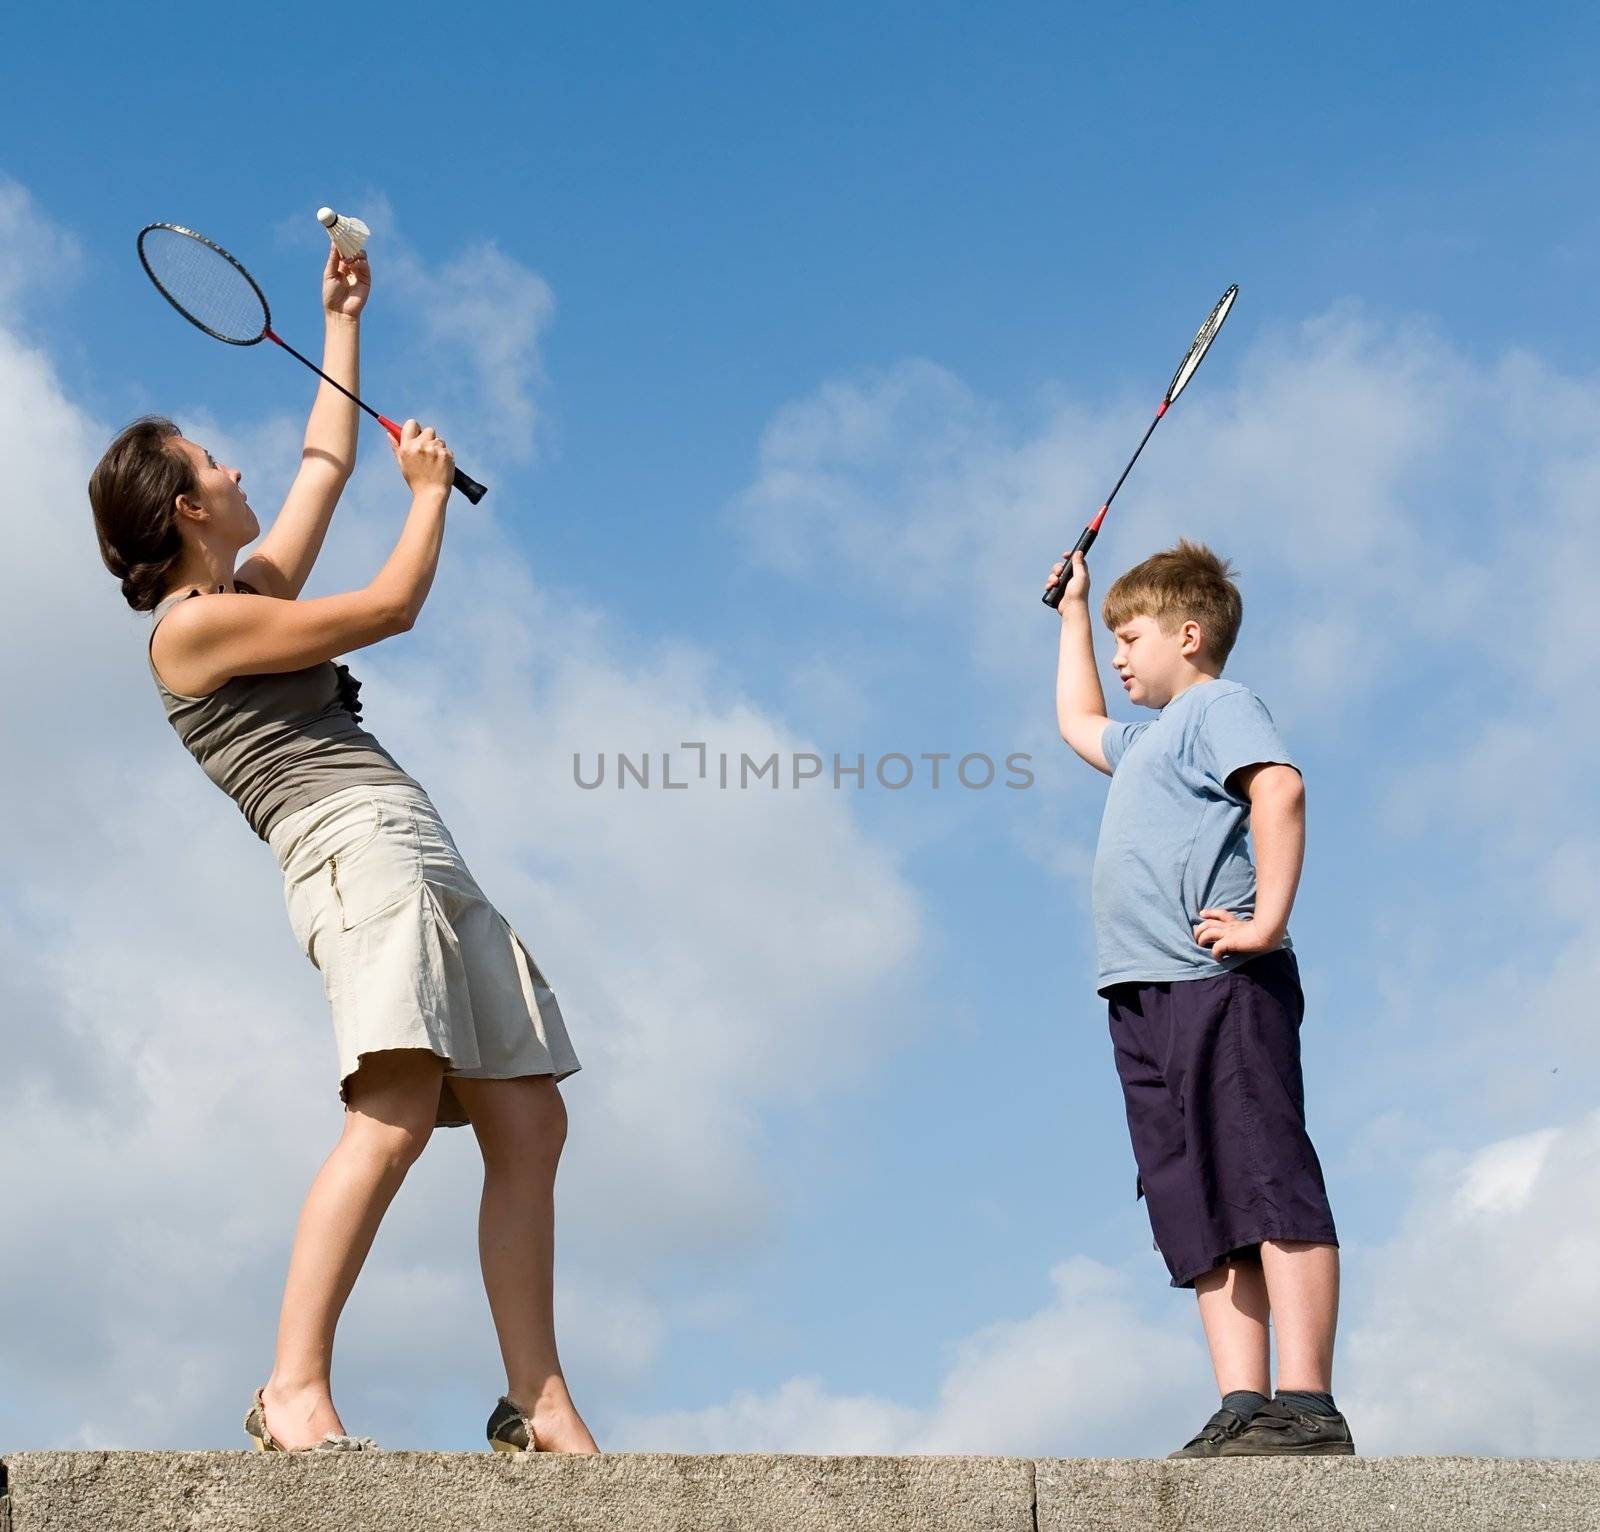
(213, 291)
(1180, 381)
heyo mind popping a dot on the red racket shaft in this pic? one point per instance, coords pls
(1052, 597)
(473, 490)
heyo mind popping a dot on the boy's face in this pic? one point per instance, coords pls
(1152, 665)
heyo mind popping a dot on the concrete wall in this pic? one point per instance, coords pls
(643, 1492)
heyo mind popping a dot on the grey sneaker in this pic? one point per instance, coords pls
(1280, 1430)
(1215, 1434)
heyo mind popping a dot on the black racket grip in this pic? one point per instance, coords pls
(473, 490)
(1052, 597)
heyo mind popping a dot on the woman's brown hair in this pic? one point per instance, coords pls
(132, 492)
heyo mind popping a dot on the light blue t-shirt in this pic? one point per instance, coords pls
(1173, 838)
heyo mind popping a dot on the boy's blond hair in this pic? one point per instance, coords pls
(1188, 583)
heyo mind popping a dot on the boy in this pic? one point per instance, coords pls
(1195, 961)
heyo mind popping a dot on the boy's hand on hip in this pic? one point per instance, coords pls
(1227, 935)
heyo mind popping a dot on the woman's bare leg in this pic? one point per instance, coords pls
(393, 1100)
(521, 1125)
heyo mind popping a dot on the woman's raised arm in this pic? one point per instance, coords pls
(283, 559)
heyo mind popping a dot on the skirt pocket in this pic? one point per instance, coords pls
(380, 866)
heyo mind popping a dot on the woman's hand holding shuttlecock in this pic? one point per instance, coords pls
(346, 284)
(348, 278)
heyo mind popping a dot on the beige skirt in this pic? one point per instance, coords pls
(412, 955)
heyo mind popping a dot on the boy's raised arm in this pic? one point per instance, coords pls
(1080, 704)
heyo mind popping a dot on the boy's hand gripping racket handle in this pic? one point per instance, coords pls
(473, 490)
(1052, 597)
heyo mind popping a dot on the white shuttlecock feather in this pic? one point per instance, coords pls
(350, 235)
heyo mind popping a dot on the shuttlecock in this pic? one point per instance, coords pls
(349, 234)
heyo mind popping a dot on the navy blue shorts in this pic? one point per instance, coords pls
(1216, 1110)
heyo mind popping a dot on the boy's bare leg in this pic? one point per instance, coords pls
(393, 1100)
(521, 1125)
(1302, 1283)
(1233, 1309)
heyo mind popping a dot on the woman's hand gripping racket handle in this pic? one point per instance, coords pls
(473, 490)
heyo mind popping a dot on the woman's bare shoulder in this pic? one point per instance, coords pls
(179, 643)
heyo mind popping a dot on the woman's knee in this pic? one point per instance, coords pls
(518, 1121)
(392, 1103)
(391, 1147)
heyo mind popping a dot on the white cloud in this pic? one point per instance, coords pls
(36, 253)
(1357, 474)
(484, 313)
(1087, 1375)
(1502, 1177)
(493, 311)
(472, 365)
(798, 1416)
(1479, 1330)
(1476, 1329)
(876, 472)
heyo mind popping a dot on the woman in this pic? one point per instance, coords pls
(441, 1015)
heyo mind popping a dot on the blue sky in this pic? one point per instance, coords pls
(834, 326)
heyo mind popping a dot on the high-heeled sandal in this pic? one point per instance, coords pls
(255, 1423)
(509, 1429)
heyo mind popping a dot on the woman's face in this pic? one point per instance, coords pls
(218, 490)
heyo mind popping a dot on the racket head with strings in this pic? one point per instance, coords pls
(1180, 381)
(209, 287)
(1202, 343)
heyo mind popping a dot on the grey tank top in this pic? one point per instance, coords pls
(278, 743)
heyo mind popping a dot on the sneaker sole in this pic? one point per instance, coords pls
(1320, 1450)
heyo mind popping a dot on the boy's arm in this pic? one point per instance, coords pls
(1278, 828)
(1080, 704)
